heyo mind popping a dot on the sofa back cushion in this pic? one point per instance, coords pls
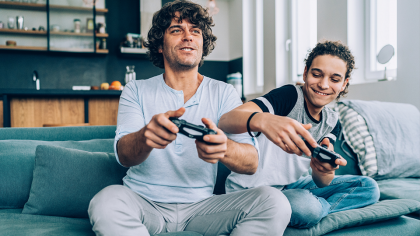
(65, 180)
(75, 133)
(17, 160)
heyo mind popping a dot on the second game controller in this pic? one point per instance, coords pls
(323, 154)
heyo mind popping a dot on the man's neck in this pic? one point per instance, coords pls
(188, 81)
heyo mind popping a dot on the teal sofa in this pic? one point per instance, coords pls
(48, 176)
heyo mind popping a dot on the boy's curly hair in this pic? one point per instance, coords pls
(333, 48)
(162, 19)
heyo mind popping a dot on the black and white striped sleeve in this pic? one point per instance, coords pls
(279, 101)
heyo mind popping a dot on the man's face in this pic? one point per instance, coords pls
(324, 80)
(182, 45)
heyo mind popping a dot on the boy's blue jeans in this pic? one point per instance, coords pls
(310, 204)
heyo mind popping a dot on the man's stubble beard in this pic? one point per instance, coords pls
(176, 63)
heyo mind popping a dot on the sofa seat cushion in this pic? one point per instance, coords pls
(383, 210)
(20, 224)
(65, 180)
(17, 224)
(17, 161)
(398, 226)
(400, 188)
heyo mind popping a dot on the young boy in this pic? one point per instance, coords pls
(291, 111)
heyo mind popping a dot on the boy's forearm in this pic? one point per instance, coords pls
(322, 179)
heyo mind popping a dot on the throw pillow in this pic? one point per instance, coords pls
(65, 180)
(395, 129)
(356, 134)
(17, 158)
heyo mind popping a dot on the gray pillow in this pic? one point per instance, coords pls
(380, 211)
(17, 158)
(65, 180)
(395, 129)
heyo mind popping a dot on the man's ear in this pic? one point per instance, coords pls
(344, 84)
(160, 50)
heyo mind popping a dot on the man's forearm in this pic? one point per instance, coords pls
(241, 158)
(132, 149)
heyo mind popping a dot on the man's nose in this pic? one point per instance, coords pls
(188, 36)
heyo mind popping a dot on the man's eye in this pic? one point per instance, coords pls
(196, 31)
(176, 31)
(316, 75)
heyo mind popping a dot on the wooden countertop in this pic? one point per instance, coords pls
(60, 92)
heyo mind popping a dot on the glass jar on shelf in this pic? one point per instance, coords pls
(130, 74)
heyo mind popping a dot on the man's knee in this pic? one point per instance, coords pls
(307, 210)
(275, 201)
(105, 202)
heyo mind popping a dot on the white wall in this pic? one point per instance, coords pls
(406, 89)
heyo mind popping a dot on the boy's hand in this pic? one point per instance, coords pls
(284, 132)
(215, 146)
(341, 161)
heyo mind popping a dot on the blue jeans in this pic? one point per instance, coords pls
(310, 204)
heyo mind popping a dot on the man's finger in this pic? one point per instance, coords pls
(176, 113)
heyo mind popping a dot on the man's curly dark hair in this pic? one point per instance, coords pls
(162, 19)
(333, 48)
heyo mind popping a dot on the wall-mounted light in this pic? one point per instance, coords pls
(212, 7)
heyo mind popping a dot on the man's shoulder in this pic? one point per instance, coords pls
(218, 85)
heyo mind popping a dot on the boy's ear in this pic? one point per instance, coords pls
(160, 50)
(305, 73)
(344, 84)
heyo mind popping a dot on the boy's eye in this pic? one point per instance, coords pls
(316, 75)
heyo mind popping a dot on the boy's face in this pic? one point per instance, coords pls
(182, 45)
(324, 80)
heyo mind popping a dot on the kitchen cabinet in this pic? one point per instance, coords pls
(34, 108)
(69, 26)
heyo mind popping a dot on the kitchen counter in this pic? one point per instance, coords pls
(7, 94)
(59, 92)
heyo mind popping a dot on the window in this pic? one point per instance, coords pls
(381, 26)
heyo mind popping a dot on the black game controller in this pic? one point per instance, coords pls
(323, 154)
(183, 125)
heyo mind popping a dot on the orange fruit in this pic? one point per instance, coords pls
(115, 85)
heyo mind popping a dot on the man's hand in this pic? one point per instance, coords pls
(161, 131)
(323, 172)
(215, 146)
(284, 132)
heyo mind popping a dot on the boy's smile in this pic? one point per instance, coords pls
(324, 81)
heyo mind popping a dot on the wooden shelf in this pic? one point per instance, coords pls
(16, 31)
(78, 34)
(72, 49)
(23, 6)
(28, 48)
(133, 50)
(71, 8)
(102, 51)
(43, 7)
(82, 50)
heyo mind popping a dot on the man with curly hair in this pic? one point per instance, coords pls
(170, 180)
(288, 113)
